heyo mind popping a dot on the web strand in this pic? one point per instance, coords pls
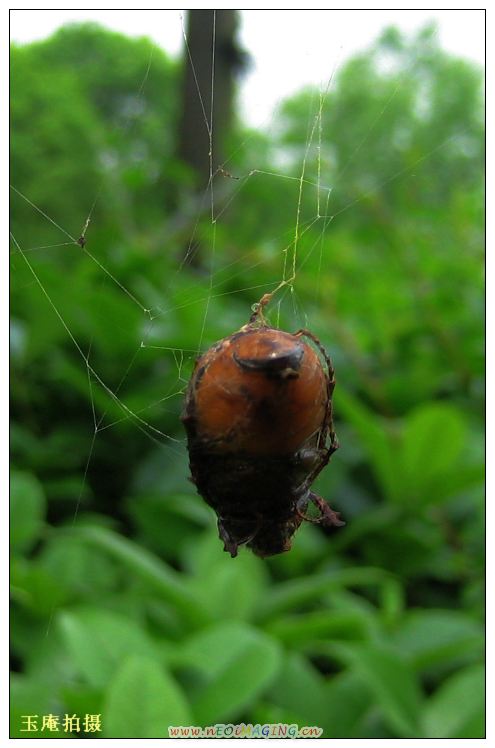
(96, 376)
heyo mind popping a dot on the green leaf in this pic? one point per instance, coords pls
(226, 589)
(300, 689)
(392, 601)
(459, 481)
(142, 701)
(233, 591)
(429, 637)
(457, 708)
(348, 700)
(165, 580)
(308, 589)
(98, 641)
(307, 628)
(375, 440)
(35, 588)
(434, 435)
(391, 682)
(237, 663)
(31, 696)
(80, 571)
(27, 511)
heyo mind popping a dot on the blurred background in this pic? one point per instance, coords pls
(370, 177)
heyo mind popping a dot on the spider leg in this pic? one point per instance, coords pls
(301, 506)
(229, 544)
(327, 515)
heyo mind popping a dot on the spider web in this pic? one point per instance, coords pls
(108, 405)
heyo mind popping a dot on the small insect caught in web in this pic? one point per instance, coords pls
(258, 418)
(226, 174)
(82, 239)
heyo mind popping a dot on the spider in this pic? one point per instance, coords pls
(258, 418)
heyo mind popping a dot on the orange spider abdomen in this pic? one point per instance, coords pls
(262, 391)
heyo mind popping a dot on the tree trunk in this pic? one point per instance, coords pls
(213, 57)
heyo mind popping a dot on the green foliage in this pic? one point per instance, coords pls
(123, 602)
(142, 698)
(456, 709)
(27, 511)
(392, 683)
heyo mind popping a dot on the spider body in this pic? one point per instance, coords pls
(258, 417)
